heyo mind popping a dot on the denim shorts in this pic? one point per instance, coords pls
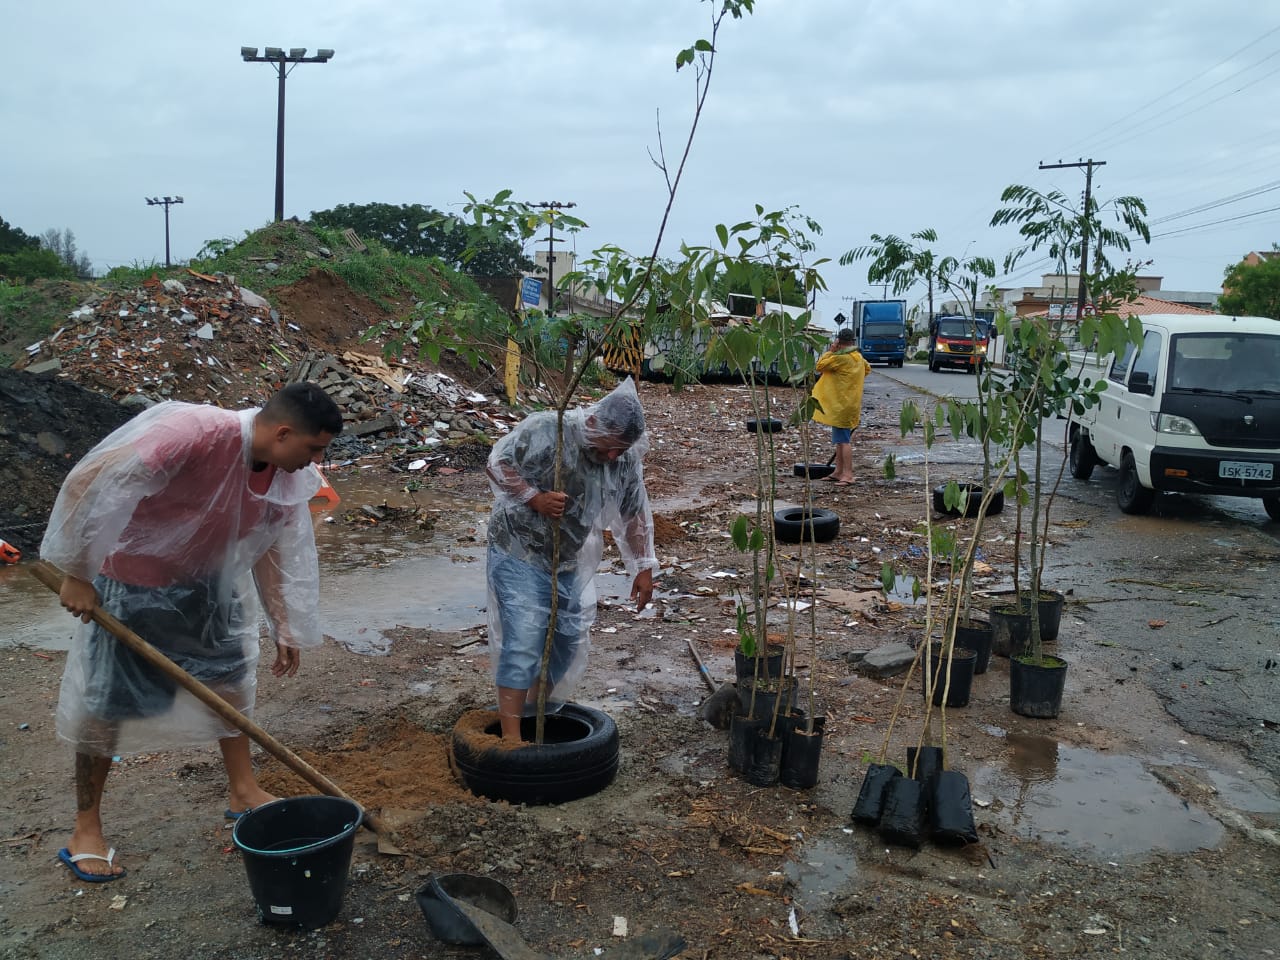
(841, 434)
(522, 596)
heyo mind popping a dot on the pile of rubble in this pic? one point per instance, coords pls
(210, 340)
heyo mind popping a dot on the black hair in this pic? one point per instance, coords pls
(306, 407)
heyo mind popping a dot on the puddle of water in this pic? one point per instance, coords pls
(1243, 794)
(30, 614)
(1088, 800)
(823, 870)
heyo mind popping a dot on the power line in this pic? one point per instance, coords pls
(1213, 204)
(1170, 91)
(1138, 132)
(1213, 223)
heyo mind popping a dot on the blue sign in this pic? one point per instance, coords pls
(531, 291)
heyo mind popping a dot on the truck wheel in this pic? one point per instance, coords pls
(1083, 457)
(1131, 495)
(1272, 506)
(933, 367)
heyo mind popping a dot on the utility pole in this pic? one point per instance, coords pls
(1084, 222)
(277, 57)
(166, 202)
(551, 250)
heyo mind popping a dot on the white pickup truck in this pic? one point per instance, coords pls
(1196, 409)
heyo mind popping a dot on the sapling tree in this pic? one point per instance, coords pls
(630, 280)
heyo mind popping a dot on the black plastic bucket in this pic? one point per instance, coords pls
(437, 900)
(977, 638)
(297, 852)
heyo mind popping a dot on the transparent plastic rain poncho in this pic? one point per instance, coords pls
(161, 518)
(601, 495)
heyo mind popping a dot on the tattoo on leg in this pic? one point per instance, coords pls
(85, 793)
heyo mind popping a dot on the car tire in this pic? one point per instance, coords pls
(1131, 495)
(1083, 458)
(795, 524)
(1272, 506)
(578, 757)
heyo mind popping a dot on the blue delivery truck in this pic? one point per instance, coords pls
(881, 328)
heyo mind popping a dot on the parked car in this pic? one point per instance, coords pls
(1196, 409)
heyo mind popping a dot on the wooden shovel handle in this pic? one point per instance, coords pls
(52, 577)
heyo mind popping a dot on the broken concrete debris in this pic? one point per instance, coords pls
(208, 339)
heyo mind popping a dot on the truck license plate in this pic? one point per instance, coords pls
(1243, 470)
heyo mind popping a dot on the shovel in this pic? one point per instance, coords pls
(52, 578)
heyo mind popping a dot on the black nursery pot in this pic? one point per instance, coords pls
(767, 695)
(976, 637)
(742, 736)
(1048, 609)
(1035, 689)
(951, 809)
(929, 766)
(770, 425)
(905, 813)
(766, 758)
(1010, 630)
(770, 663)
(963, 667)
(801, 752)
(869, 806)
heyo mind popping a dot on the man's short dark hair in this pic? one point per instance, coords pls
(306, 407)
(846, 335)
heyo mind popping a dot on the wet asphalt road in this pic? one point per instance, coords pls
(1186, 596)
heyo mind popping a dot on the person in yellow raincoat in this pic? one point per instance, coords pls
(842, 371)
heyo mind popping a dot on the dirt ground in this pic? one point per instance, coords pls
(678, 840)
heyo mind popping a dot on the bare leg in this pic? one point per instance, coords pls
(510, 710)
(87, 837)
(244, 792)
(844, 462)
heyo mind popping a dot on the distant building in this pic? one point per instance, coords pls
(1059, 292)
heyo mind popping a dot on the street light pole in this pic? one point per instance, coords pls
(166, 202)
(278, 58)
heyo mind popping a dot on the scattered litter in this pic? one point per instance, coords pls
(118, 902)
(619, 926)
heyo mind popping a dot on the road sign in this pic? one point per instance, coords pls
(531, 291)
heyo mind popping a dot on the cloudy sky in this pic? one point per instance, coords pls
(871, 116)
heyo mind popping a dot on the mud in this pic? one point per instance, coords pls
(1061, 870)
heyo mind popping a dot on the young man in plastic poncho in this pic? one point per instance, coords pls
(602, 480)
(175, 524)
(839, 391)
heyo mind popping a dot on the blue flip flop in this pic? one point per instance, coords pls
(65, 856)
(233, 815)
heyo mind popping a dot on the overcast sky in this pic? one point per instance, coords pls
(872, 116)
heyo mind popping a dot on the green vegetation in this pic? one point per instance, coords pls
(31, 311)
(394, 281)
(1252, 291)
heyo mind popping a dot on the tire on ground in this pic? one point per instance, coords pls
(578, 758)
(1083, 458)
(795, 523)
(1131, 495)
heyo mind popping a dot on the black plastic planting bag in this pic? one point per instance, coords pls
(951, 809)
(870, 803)
(924, 764)
(904, 817)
